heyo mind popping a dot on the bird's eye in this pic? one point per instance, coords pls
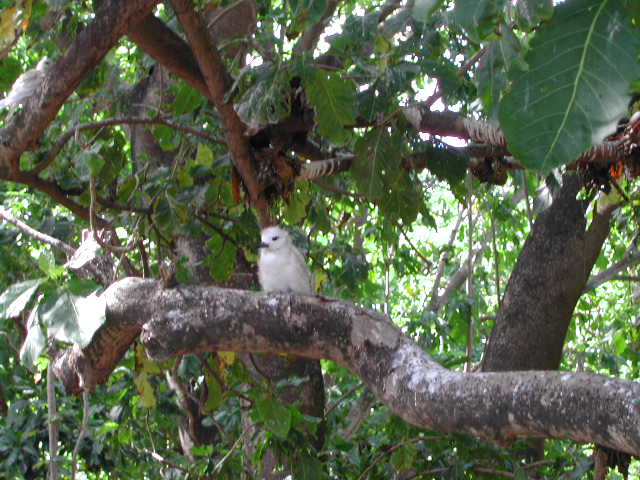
(274, 238)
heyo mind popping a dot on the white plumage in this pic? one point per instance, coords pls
(281, 266)
(26, 84)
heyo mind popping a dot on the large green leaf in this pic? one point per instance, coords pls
(575, 91)
(378, 155)
(74, 319)
(221, 260)
(479, 18)
(333, 99)
(34, 342)
(275, 415)
(492, 71)
(15, 298)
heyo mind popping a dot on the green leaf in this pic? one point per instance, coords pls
(296, 208)
(308, 468)
(275, 416)
(479, 18)
(204, 155)
(529, 13)
(15, 298)
(47, 263)
(214, 394)
(34, 342)
(106, 427)
(185, 98)
(81, 286)
(267, 100)
(402, 459)
(493, 68)
(378, 160)
(333, 99)
(166, 137)
(304, 13)
(575, 92)
(222, 259)
(403, 201)
(73, 319)
(145, 391)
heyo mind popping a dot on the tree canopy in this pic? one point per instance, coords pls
(461, 175)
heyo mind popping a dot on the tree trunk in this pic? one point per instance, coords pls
(549, 277)
(545, 285)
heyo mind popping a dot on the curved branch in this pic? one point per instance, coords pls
(112, 20)
(498, 406)
(62, 141)
(54, 191)
(41, 237)
(218, 81)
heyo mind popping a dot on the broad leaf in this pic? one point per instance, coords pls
(378, 159)
(575, 92)
(403, 458)
(275, 415)
(296, 208)
(15, 298)
(333, 99)
(74, 319)
(267, 100)
(308, 468)
(221, 259)
(214, 393)
(86, 252)
(493, 68)
(34, 342)
(529, 13)
(479, 18)
(145, 391)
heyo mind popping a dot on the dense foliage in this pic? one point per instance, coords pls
(393, 232)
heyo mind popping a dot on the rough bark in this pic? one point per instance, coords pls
(496, 406)
(218, 82)
(549, 277)
(113, 19)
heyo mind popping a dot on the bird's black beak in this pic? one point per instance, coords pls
(263, 245)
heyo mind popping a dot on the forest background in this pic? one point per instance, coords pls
(460, 174)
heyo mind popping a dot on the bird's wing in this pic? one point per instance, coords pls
(22, 88)
(302, 269)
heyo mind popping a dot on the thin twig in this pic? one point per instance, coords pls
(426, 261)
(83, 432)
(496, 259)
(54, 427)
(393, 449)
(463, 69)
(338, 190)
(345, 395)
(42, 237)
(220, 464)
(470, 327)
(53, 153)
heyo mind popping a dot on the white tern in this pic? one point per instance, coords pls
(281, 266)
(26, 84)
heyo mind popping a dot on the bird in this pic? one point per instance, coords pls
(281, 266)
(26, 84)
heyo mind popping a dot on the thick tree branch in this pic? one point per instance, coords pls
(164, 45)
(495, 406)
(113, 19)
(218, 81)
